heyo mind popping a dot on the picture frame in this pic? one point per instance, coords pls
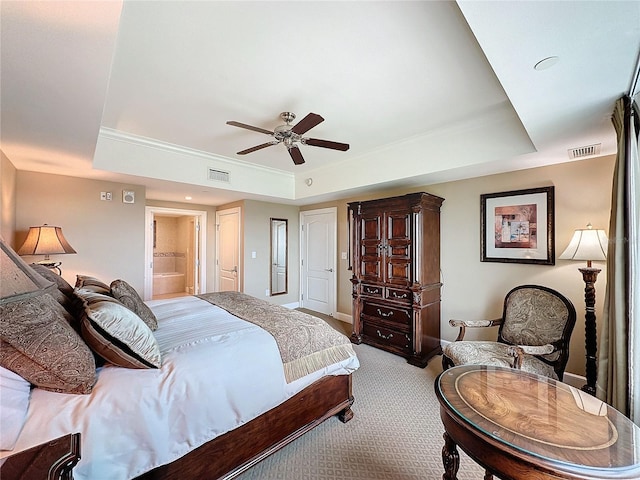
(518, 226)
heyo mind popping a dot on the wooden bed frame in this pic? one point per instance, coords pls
(224, 457)
(238, 450)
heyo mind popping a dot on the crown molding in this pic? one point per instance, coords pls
(146, 142)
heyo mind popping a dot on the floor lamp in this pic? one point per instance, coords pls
(590, 245)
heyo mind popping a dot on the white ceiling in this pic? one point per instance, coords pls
(140, 92)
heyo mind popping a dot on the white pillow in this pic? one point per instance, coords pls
(15, 393)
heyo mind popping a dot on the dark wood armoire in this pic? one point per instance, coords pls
(396, 275)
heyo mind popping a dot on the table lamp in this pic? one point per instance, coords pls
(590, 245)
(46, 240)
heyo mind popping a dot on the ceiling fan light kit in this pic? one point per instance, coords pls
(292, 135)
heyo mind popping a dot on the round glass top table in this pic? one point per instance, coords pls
(519, 425)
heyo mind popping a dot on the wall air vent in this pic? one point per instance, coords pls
(586, 151)
(218, 175)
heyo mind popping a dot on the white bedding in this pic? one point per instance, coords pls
(136, 420)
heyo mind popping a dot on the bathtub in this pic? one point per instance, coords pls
(168, 282)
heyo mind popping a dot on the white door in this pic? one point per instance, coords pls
(318, 252)
(228, 250)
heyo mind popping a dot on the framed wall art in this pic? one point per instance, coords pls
(518, 226)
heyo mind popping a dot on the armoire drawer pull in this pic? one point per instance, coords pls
(387, 337)
(370, 290)
(382, 314)
(395, 295)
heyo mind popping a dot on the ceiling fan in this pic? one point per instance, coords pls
(291, 135)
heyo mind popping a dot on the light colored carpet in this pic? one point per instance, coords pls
(396, 433)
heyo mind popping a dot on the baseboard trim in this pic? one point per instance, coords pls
(576, 381)
(343, 317)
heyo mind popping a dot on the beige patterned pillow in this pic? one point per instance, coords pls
(124, 292)
(37, 342)
(119, 335)
(91, 283)
(52, 276)
(63, 293)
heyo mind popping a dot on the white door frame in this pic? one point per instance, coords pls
(150, 212)
(303, 238)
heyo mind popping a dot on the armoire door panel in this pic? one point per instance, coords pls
(398, 226)
(370, 270)
(370, 229)
(398, 273)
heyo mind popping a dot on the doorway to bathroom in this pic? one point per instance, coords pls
(175, 249)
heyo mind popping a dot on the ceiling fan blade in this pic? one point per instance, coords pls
(296, 156)
(316, 142)
(250, 127)
(307, 123)
(257, 147)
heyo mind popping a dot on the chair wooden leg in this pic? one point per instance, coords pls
(446, 362)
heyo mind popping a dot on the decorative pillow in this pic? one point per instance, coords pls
(63, 293)
(52, 276)
(89, 297)
(124, 292)
(118, 335)
(14, 402)
(37, 343)
(91, 283)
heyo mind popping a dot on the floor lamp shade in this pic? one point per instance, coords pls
(586, 244)
(45, 240)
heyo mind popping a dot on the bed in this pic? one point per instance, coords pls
(230, 380)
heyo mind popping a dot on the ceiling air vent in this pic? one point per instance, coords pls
(587, 151)
(218, 175)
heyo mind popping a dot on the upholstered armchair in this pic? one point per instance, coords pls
(533, 334)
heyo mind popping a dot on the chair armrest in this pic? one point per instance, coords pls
(463, 324)
(537, 350)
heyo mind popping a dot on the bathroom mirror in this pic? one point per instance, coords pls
(279, 267)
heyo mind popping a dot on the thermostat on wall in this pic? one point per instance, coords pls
(128, 196)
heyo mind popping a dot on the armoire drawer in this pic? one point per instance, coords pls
(386, 337)
(395, 315)
(372, 290)
(398, 295)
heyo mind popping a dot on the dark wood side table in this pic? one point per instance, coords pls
(53, 460)
(519, 425)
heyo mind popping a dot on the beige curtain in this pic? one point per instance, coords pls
(619, 358)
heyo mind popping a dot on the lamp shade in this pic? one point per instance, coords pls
(586, 244)
(17, 280)
(45, 240)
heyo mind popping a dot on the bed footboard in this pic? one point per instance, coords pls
(234, 452)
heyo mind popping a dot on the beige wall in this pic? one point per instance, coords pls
(474, 289)
(257, 230)
(7, 199)
(108, 235)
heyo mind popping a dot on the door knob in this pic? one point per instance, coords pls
(328, 269)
